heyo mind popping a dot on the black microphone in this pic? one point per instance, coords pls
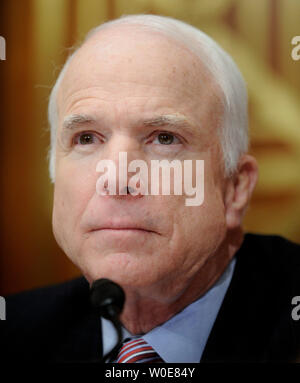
(107, 298)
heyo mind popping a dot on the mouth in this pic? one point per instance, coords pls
(119, 228)
(122, 233)
(122, 229)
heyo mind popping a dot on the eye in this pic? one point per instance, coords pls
(165, 138)
(84, 139)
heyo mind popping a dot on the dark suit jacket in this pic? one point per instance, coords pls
(254, 323)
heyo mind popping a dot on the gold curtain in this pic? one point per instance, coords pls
(39, 34)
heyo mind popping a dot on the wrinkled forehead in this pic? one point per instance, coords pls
(130, 54)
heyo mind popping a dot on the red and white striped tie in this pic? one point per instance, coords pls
(137, 351)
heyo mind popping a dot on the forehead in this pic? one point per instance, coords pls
(127, 61)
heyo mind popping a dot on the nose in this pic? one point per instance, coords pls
(116, 182)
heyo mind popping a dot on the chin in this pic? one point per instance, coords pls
(122, 268)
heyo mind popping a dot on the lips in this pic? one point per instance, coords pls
(123, 226)
(122, 229)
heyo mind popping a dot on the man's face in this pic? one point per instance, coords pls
(154, 244)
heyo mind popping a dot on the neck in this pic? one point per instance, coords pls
(143, 312)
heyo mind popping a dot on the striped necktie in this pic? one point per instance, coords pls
(137, 351)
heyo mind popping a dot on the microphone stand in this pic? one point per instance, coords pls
(107, 298)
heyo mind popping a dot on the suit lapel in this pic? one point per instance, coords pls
(241, 327)
(79, 329)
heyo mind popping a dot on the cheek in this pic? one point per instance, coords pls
(203, 228)
(204, 225)
(72, 191)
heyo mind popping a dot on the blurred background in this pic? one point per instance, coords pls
(39, 34)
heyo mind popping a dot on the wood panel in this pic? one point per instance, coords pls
(17, 231)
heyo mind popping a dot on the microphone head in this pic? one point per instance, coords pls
(107, 298)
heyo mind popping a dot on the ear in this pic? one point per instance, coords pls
(239, 189)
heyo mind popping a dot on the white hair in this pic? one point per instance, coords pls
(234, 132)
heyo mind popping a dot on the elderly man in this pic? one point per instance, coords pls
(197, 288)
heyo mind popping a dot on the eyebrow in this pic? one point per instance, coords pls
(173, 120)
(168, 120)
(71, 121)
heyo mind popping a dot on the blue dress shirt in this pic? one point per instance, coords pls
(182, 338)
